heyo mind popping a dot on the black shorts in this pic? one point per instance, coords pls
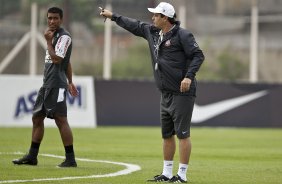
(50, 101)
(176, 113)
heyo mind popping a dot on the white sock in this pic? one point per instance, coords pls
(182, 170)
(167, 168)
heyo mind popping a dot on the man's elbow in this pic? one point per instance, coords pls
(203, 58)
(57, 60)
(200, 56)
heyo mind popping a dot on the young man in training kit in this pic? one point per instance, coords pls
(176, 57)
(51, 99)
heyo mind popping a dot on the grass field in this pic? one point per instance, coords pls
(219, 155)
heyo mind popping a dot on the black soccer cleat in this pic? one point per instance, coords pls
(177, 179)
(159, 178)
(26, 160)
(68, 163)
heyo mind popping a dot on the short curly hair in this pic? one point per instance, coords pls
(56, 10)
(171, 20)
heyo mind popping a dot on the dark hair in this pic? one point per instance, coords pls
(171, 20)
(56, 10)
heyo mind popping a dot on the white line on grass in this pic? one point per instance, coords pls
(129, 169)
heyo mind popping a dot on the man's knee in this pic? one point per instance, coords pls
(61, 121)
(37, 120)
(183, 134)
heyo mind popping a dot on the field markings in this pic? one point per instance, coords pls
(129, 169)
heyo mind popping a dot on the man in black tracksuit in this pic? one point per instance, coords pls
(176, 57)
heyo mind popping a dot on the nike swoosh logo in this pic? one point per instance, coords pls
(205, 112)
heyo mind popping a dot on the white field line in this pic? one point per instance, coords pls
(129, 169)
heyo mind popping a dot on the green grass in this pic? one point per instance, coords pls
(219, 155)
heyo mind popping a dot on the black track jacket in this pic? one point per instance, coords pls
(175, 57)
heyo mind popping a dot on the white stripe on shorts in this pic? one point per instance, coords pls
(61, 95)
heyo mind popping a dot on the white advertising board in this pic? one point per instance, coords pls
(18, 94)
